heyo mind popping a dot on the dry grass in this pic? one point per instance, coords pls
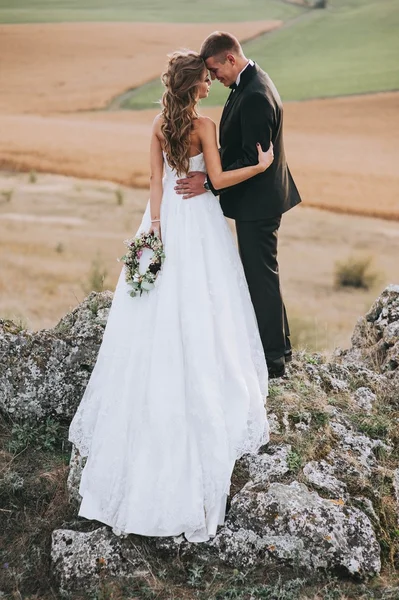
(53, 230)
(341, 151)
(66, 67)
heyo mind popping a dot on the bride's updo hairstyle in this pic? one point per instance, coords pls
(181, 78)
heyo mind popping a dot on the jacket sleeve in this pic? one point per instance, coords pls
(257, 124)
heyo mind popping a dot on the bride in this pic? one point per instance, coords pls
(178, 391)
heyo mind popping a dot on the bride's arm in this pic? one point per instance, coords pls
(220, 179)
(156, 170)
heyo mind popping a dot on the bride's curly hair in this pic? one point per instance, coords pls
(181, 79)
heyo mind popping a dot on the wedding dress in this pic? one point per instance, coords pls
(178, 390)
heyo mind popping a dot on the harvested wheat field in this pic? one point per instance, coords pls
(343, 152)
(64, 67)
(58, 235)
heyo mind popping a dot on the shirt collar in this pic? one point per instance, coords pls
(250, 62)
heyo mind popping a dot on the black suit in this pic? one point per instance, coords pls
(254, 113)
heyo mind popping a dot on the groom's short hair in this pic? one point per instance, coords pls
(218, 44)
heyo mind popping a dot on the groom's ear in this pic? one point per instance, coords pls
(231, 58)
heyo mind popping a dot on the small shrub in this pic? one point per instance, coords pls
(294, 461)
(355, 272)
(43, 436)
(96, 277)
(119, 197)
(7, 195)
(60, 248)
(195, 575)
(11, 482)
(32, 176)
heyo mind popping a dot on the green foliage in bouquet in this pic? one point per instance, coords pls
(142, 282)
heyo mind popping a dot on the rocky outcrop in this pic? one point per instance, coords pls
(311, 498)
(79, 558)
(293, 525)
(375, 340)
(45, 373)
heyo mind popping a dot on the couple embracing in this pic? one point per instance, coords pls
(178, 391)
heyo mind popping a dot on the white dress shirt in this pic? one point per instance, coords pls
(250, 62)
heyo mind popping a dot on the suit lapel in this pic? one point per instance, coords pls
(246, 76)
(229, 103)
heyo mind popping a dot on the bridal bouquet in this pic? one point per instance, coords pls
(142, 282)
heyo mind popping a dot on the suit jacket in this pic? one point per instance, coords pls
(254, 113)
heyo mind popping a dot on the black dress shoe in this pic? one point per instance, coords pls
(276, 368)
(288, 356)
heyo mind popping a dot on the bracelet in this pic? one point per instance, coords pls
(155, 220)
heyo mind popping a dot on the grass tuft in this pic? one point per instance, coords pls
(355, 272)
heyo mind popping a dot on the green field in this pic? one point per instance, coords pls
(350, 48)
(180, 11)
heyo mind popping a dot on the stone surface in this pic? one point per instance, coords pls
(396, 489)
(76, 464)
(375, 338)
(321, 475)
(360, 445)
(270, 465)
(364, 398)
(78, 558)
(45, 373)
(296, 526)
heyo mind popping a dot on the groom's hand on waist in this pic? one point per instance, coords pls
(192, 185)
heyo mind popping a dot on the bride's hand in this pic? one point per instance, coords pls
(265, 158)
(155, 229)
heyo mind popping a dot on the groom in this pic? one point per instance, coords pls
(253, 113)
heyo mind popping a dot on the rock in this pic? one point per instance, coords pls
(366, 506)
(330, 377)
(364, 398)
(76, 464)
(45, 373)
(376, 335)
(78, 558)
(274, 424)
(396, 489)
(321, 475)
(357, 443)
(270, 465)
(295, 526)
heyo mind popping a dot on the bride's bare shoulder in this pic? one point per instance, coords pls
(156, 125)
(205, 123)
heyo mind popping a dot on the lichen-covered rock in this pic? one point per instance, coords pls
(375, 338)
(45, 373)
(396, 489)
(270, 465)
(76, 464)
(321, 475)
(274, 424)
(360, 445)
(79, 558)
(364, 398)
(293, 525)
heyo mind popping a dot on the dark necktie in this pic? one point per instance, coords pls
(233, 86)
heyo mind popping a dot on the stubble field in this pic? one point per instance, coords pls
(59, 235)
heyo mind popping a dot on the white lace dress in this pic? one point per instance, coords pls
(178, 390)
